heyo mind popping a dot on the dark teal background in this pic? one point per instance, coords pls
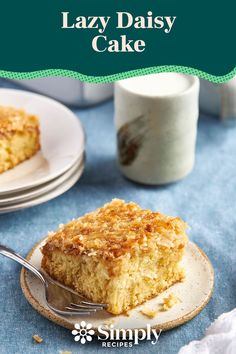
(203, 36)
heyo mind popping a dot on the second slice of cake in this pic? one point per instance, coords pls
(19, 136)
(119, 254)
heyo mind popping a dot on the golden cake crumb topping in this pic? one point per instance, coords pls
(116, 229)
(13, 119)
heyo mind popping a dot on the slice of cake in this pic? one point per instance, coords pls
(19, 137)
(119, 254)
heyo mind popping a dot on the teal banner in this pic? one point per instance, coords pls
(107, 38)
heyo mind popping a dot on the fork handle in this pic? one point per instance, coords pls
(8, 252)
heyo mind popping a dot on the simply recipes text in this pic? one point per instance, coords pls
(101, 43)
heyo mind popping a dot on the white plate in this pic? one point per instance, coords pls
(194, 293)
(62, 141)
(62, 188)
(41, 189)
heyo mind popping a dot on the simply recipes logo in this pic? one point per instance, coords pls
(109, 336)
(124, 20)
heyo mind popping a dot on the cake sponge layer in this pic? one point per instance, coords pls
(120, 254)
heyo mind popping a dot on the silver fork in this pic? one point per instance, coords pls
(59, 298)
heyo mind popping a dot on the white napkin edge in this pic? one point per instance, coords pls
(220, 337)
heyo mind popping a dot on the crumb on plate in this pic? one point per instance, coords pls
(150, 313)
(109, 322)
(169, 302)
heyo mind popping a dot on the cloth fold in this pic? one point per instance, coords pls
(220, 337)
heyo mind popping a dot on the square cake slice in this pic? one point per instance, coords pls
(119, 254)
(19, 137)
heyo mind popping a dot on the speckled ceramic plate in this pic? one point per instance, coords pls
(62, 141)
(194, 294)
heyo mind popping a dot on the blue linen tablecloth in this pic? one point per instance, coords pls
(206, 199)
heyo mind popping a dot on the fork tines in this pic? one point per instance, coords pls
(85, 307)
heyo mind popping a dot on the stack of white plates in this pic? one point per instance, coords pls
(56, 167)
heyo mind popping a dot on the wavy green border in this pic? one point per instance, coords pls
(119, 76)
